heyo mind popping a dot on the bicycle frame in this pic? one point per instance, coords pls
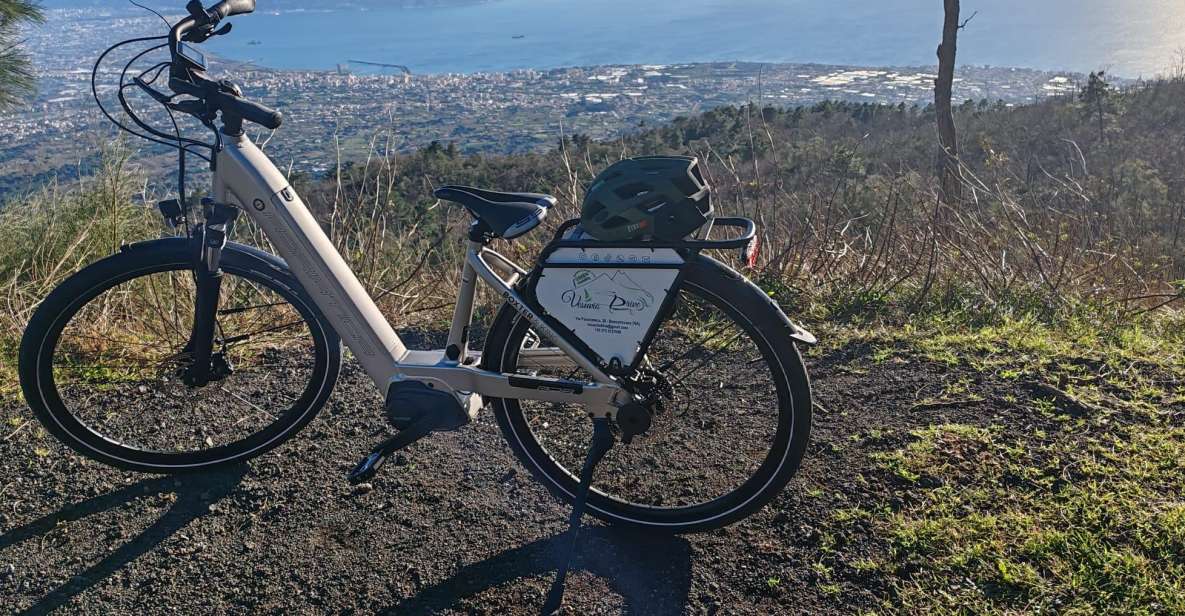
(246, 178)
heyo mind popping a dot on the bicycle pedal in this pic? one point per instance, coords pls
(367, 468)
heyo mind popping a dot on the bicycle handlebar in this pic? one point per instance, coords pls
(249, 110)
(230, 8)
(194, 83)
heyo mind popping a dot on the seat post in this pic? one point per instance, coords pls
(458, 336)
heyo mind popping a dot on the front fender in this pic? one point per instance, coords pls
(183, 243)
(241, 255)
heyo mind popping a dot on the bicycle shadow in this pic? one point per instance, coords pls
(195, 493)
(651, 573)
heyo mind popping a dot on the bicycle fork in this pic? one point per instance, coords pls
(208, 241)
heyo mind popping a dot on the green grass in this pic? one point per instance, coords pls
(1082, 515)
(1005, 530)
(51, 233)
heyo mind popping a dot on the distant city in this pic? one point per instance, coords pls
(387, 108)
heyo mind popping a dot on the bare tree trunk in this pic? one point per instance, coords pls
(952, 177)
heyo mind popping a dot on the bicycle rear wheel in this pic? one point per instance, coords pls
(728, 442)
(102, 358)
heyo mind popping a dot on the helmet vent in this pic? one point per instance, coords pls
(633, 190)
(615, 221)
(653, 205)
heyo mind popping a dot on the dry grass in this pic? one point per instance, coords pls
(1061, 223)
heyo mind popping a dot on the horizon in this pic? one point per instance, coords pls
(501, 35)
(464, 89)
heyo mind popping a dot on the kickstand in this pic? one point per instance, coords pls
(602, 442)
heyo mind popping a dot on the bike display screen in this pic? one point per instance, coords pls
(194, 55)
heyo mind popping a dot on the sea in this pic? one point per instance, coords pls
(1129, 38)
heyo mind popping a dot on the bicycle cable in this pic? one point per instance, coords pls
(123, 85)
(99, 102)
(153, 11)
(183, 145)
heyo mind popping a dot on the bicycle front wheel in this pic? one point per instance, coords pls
(728, 441)
(102, 358)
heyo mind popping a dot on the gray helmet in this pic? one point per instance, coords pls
(662, 196)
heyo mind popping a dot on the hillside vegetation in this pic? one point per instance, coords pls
(1042, 465)
(1074, 202)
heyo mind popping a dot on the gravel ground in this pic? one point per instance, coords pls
(456, 526)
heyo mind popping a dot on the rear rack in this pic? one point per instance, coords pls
(745, 240)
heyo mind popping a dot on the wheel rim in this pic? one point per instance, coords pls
(696, 462)
(113, 354)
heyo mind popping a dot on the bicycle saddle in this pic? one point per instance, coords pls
(508, 215)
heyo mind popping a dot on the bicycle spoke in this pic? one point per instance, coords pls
(119, 363)
(666, 366)
(711, 437)
(242, 337)
(706, 360)
(231, 311)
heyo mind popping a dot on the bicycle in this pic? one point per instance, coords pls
(191, 352)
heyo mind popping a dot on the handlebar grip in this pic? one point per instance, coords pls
(252, 112)
(230, 8)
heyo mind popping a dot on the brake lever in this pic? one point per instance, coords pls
(193, 107)
(204, 33)
(199, 34)
(197, 11)
(156, 95)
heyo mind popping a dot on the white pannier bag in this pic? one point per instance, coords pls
(608, 297)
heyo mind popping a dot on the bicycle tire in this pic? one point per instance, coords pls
(765, 323)
(136, 261)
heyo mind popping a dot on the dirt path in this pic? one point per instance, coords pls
(458, 528)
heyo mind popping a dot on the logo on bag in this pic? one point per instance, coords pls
(613, 291)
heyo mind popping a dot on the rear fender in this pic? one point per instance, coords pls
(799, 334)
